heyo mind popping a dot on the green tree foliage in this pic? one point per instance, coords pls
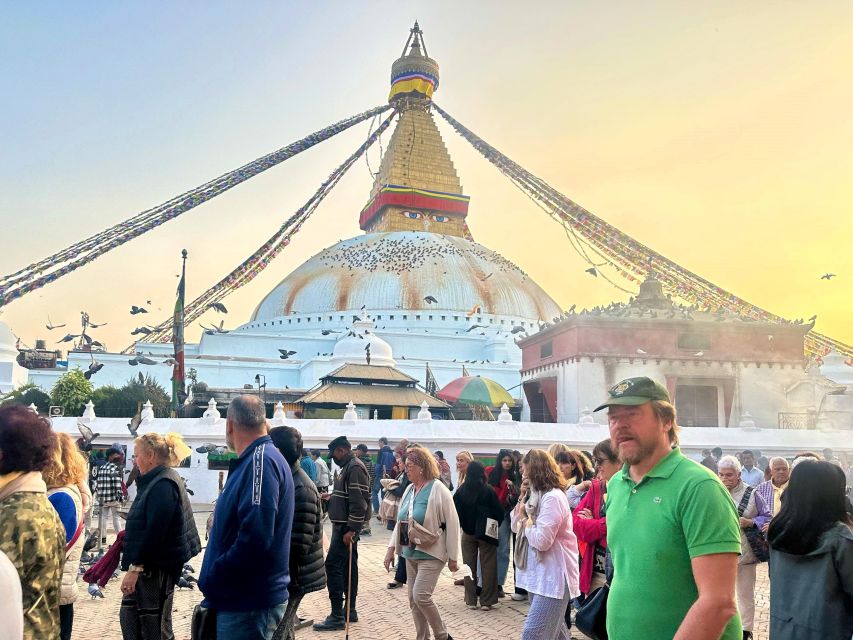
(128, 400)
(26, 395)
(71, 391)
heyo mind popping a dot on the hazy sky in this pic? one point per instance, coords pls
(718, 134)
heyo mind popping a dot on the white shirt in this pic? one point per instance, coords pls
(753, 477)
(11, 609)
(322, 472)
(552, 557)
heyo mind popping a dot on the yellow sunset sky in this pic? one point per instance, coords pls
(719, 134)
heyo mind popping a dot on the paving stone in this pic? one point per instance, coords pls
(383, 613)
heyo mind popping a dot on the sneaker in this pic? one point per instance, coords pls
(472, 606)
(519, 597)
(395, 585)
(331, 623)
(488, 607)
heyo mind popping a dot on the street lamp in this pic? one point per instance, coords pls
(258, 377)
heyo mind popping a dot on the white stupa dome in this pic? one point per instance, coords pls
(7, 343)
(400, 270)
(352, 347)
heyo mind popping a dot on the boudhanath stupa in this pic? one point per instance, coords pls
(415, 286)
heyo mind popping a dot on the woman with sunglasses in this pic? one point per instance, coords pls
(590, 522)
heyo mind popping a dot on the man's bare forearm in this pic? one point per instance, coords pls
(706, 619)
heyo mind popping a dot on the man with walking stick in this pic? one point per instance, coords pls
(349, 510)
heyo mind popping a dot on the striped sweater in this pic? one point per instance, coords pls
(349, 505)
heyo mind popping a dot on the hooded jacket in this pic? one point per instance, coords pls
(811, 595)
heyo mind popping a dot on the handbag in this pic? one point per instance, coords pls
(522, 546)
(754, 536)
(203, 626)
(591, 618)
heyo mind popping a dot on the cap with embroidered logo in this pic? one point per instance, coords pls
(635, 391)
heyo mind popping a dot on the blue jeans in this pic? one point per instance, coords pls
(375, 495)
(504, 537)
(249, 625)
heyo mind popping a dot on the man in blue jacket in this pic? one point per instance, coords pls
(246, 567)
(384, 469)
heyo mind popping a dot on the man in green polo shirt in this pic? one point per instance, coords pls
(672, 528)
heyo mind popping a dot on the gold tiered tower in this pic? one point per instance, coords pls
(417, 187)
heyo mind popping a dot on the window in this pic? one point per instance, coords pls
(694, 341)
(444, 317)
(546, 349)
(456, 318)
(696, 405)
(430, 317)
(390, 317)
(288, 321)
(405, 317)
(417, 317)
(379, 317)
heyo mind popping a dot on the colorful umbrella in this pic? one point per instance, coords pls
(475, 390)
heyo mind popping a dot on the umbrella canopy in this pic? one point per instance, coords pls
(475, 390)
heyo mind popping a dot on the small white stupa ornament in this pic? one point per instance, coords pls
(89, 412)
(747, 422)
(147, 414)
(586, 417)
(211, 416)
(504, 416)
(424, 414)
(278, 416)
(350, 415)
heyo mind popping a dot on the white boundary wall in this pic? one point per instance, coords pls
(450, 436)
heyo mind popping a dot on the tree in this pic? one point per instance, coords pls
(71, 391)
(26, 395)
(126, 401)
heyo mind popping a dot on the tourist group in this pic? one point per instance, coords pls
(631, 541)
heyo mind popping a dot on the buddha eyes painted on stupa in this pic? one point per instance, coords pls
(414, 215)
(440, 218)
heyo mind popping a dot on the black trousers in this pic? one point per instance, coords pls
(146, 614)
(337, 566)
(66, 621)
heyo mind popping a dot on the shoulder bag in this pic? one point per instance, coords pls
(591, 617)
(203, 624)
(754, 536)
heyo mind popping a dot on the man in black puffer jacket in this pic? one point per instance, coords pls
(307, 571)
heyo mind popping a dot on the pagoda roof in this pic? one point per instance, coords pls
(372, 374)
(341, 393)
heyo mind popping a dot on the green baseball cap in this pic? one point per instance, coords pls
(635, 391)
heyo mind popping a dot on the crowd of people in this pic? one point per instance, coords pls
(634, 538)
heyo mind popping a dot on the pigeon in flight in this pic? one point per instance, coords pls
(69, 337)
(475, 326)
(93, 369)
(592, 271)
(92, 325)
(217, 306)
(140, 359)
(326, 332)
(484, 278)
(430, 300)
(50, 326)
(286, 353)
(517, 329)
(641, 352)
(87, 434)
(133, 425)
(828, 276)
(699, 354)
(144, 330)
(134, 310)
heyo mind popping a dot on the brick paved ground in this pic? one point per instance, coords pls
(383, 614)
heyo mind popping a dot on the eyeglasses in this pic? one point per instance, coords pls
(600, 461)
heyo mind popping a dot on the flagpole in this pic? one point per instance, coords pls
(178, 371)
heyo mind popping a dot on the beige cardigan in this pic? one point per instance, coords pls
(440, 509)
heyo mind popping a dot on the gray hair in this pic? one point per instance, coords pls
(248, 413)
(778, 459)
(729, 461)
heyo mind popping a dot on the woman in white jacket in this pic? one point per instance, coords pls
(427, 536)
(549, 568)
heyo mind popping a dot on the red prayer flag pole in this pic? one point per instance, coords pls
(178, 370)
